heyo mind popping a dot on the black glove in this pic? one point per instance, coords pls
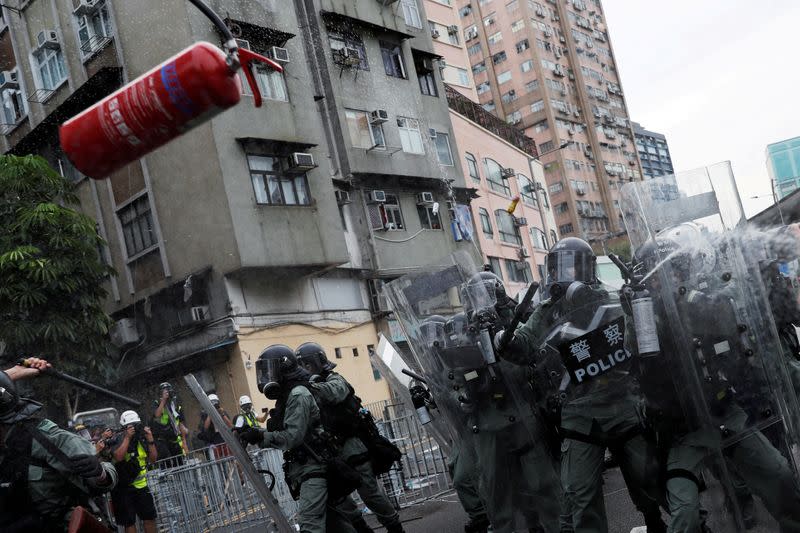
(251, 436)
(87, 466)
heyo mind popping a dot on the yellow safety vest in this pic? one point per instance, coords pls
(141, 455)
(250, 418)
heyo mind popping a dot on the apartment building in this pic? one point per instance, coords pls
(500, 162)
(548, 66)
(653, 152)
(265, 225)
(783, 166)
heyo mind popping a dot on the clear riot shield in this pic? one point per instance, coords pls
(718, 342)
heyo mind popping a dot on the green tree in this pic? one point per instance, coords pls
(51, 274)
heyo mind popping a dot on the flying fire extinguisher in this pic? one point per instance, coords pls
(160, 105)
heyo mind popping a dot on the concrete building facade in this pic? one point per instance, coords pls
(548, 67)
(653, 152)
(783, 166)
(500, 162)
(222, 241)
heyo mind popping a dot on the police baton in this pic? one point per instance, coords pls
(518, 314)
(85, 384)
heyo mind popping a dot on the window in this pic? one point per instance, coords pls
(13, 107)
(391, 210)
(526, 66)
(411, 13)
(478, 68)
(518, 271)
(546, 147)
(523, 45)
(499, 57)
(493, 177)
(517, 25)
(51, 69)
(271, 83)
(515, 117)
(563, 207)
(483, 87)
(541, 126)
(494, 264)
(273, 185)
(393, 60)
(427, 81)
(472, 167)
(363, 133)
(427, 218)
(488, 20)
(537, 106)
(355, 352)
(512, 6)
(510, 96)
(553, 239)
(137, 226)
(465, 11)
(504, 77)
(452, 37)
(474, 49)
(443, 152)
(489, 106)
(456, 76)
(507, 228)
(94, 29)
(527, 190)
(486, 223)
(565, 229)
(341, 40)
(410, 137)
(539, 239)
(338, 353)
(556, 188)
(495, 37)
(532, 86)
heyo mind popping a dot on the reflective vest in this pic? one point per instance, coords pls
(140, 481)
(250, 418)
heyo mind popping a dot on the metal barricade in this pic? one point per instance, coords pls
(206, 491)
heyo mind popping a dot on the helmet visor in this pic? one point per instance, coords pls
(268, 374)
(567, 266)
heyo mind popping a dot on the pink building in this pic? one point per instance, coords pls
(500, 162)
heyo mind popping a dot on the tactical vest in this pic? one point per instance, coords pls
(343, 419)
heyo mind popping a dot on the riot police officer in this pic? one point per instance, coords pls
(45, 471)
(596, 413)
(723, 361)
(295, 427)
(340, 408)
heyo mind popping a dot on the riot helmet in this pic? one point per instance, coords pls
(432, 331)
(14, 408)
(312, 357)
(483, 290)
(570, 260)
(276, 365)
(692, 255)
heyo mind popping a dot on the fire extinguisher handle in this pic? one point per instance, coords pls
(246, 58)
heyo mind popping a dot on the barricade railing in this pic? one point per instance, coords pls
(206, 490)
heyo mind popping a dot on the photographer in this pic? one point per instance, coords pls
(209, 434)
(168, 426)
(133, 451)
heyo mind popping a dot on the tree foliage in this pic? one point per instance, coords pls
(51, 274)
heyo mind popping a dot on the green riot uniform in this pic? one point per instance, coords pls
(330, 393)
(464, 471)
(53, 489)
(599, 414)
(305, 475)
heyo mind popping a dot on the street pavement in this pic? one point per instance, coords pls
(445, 515)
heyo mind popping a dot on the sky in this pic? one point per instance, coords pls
(718, 77)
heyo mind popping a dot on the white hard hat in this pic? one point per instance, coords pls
(129, 417)
(244, 400)
(213, 398)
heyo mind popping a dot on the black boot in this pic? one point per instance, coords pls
(479, 524)
(361, 526)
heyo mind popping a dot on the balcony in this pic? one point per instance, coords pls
(477, 114)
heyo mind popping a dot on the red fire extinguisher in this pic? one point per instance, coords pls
(158, 106)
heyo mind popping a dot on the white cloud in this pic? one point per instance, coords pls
(716, 77)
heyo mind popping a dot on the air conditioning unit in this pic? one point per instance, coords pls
(452, 29)
(243, 43)
(342, 197)
(563, 39)
(124, 333)
(577, 113)
(548, 33)
(84, 7)
(200, 313)
(540, 12)
(435, 34)
(377, 197)
(524, 253)
(432, 133)
(347, 57)
(589, 44)
(571, 131)
(472, 34)
(379, 116)
(520, 221)
(425, 198)
(47, 39)
(9, 79)
(301, 162)
(559, 71)
(427, 64)
(278, 54)
(580, 192)
(507, 173)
